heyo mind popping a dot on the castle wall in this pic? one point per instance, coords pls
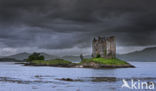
(104, 47)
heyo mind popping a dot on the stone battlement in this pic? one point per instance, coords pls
(104, 47)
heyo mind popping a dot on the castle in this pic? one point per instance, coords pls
(104, 47)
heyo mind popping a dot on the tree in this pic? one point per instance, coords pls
(35, 56)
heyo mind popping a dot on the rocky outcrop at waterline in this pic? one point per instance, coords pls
(97, 65)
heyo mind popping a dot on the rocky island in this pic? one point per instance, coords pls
(103, 56)
(86, 63)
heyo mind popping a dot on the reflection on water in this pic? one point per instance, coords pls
(16, 77)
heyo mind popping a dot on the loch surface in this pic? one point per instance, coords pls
(16, 77)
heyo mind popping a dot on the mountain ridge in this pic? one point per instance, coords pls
(146, 55)
(25, 55)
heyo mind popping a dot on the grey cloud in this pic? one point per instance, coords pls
(61, 24)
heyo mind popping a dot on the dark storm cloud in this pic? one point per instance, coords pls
(59, 24)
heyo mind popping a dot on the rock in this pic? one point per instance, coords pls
(69, 79)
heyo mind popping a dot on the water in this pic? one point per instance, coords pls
(16, 77)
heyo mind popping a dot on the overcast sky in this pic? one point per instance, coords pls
(66, 27)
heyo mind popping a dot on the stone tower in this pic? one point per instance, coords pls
(104, 47)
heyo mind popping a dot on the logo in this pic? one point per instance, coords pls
(138, 85)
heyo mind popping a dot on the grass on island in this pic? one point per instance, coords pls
(51, 62)
(111, 61)
(57, 62)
